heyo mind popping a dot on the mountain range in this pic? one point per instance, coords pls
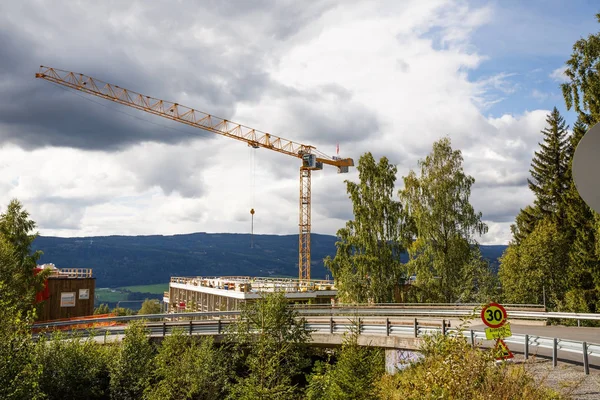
(137, 260)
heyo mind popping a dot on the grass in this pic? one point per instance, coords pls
(158, 288)
(104, 295)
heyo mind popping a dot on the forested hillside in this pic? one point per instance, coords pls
(130, 260)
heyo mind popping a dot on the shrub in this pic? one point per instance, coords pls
(452, 369)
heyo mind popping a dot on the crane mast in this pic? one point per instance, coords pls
(312, 159)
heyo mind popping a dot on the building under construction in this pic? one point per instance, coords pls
(227, 293)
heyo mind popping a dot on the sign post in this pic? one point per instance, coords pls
(494, 315)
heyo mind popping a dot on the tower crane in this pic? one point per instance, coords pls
(311, 158)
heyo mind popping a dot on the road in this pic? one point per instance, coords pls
(590, 335)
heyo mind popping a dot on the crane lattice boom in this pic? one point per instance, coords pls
(312, 159)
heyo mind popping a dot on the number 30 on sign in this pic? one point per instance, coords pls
(493, 315)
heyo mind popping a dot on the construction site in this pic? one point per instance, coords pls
(208, 294)
(226, 293)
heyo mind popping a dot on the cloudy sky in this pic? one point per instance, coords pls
(389, 77)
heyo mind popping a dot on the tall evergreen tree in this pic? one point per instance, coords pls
(549, 179)
(444, 254)
(367, 264)
(524, 223)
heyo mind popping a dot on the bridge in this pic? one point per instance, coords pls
(392, 327)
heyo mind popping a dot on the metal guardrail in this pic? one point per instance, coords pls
(329, 325)
(381, 311)
(360, 311)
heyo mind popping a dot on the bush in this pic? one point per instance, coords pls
(130, 371)
(452, 369)
(73, 367)
(188, 368)
(352, 377)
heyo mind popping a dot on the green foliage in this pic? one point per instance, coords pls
(187, 369)
(74, 367)
(367, 264)
(582, 91)
(150, 306)
(122, 311)
(158, 288)
(353, 376)
(583, 273)
(452, 369)
(581, 301)
(443, 255)
(131, 370)
(106, 295)
(101, 309)
(17, 261)
(524, 223)
(270, 342)
(549, 168)
(554, 235)
(537, 264)
(19, 371)
(553, 240)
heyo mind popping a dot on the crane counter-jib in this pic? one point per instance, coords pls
(312, 159)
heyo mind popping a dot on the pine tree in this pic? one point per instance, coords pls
(549, 179)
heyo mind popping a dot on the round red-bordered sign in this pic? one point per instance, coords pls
(494, 315)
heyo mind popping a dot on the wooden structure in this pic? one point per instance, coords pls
(69, 293)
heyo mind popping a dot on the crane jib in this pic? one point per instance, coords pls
(312, 159)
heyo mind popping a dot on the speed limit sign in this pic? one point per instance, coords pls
(494, 315)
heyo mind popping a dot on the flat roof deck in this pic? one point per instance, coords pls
(247, 287)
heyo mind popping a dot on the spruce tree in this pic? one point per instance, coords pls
(549, 179)
(525, 222)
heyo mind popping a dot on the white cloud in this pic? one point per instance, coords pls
(539, 95)
(558, 75)
(389, 77)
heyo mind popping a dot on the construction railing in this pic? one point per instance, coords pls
(255, 284)
(77, 273)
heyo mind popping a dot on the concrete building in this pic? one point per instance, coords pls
(227, 293)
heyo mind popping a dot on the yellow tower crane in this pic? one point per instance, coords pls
(312, 159)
